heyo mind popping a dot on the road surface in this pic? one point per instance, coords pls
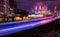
(12, 27)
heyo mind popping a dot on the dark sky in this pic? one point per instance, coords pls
(28, 4)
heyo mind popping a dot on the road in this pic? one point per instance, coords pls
(12, 27)
(48, 30)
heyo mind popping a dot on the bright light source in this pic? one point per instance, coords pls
(17, 18)
(26, 18)
(1, 19)
(31, 15)
(40, 7)
(55, 8)
(43, 8)
(36, 8)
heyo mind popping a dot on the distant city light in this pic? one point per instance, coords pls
(36, 7)
(40, 7)
(43, 8)
(55, 8)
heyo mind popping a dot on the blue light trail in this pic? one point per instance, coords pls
(18, 28)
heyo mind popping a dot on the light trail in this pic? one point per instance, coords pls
(19, 23)
(25, 21)
(27, 26)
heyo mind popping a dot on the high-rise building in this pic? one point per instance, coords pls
(4, 7)
(7, 7)
(1, 6)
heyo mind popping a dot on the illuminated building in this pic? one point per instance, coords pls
(17, 18)
(40, 8)
(1, 19)
(7, 7)
(2, 7)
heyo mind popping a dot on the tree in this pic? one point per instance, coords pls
(22, 12)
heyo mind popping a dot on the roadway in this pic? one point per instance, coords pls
(12, 27)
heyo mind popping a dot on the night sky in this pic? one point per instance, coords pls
(28, 4)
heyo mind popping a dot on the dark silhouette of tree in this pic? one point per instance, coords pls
(17, 11)
(22, 12)
(58, 7)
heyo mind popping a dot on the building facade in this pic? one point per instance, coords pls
(4, 7)
(7, 7)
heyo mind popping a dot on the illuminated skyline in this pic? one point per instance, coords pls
(28, 4)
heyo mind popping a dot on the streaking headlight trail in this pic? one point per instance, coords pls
(18, 28)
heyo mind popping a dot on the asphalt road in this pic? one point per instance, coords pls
(45, 27)
(49, 30)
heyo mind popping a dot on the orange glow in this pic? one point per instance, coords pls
(1, 19)
(17, 18)
(26, 18)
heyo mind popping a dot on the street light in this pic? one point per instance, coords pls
(17, 18)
